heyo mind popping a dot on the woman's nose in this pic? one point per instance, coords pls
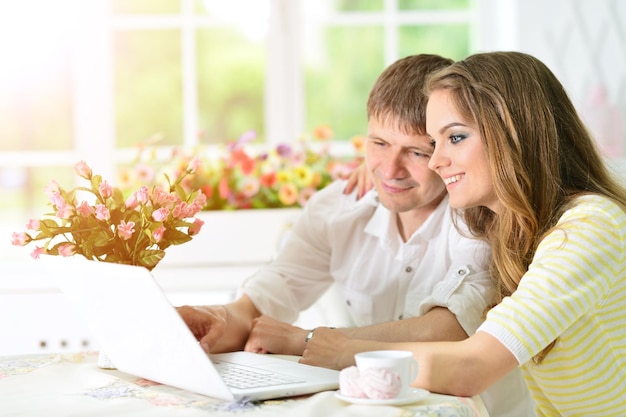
(436, 160)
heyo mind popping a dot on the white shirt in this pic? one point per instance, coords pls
(356, 244)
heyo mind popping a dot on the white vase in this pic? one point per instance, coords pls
(236, 236)
(104, 362)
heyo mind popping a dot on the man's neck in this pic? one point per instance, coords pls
(410, 221)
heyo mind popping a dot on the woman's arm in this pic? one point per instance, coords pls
(463, 368)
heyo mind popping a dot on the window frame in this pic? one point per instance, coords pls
(93, 117)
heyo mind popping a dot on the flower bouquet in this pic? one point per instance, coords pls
(133, 230)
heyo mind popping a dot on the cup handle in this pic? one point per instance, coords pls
(413, 368)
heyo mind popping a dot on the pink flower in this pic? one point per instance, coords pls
(181, 210)
(305, 195)
(51, 188)
(158, 233)
(19, 239)
(125, 230)
(160, 214)
(145, 173)
(85, 209)
(67, 249)
(82, 170)
(131, 202)
(161, 198)
(194, 208)
(194, 164)
(33, 224)
(194, 229)
(224, 188)
(65, 212)
(249, 186)
(57, 199)
(37, 252)
(143, 194)
(102, 212)
(106, 190)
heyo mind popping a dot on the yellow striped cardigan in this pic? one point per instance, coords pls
(574, 290)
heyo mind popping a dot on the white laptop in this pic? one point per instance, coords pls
(142, 333)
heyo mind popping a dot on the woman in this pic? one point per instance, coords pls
(519, 162)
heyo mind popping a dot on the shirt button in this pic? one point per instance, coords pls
(348, 303)
(461, 272)
(400, 317)
(408, 269)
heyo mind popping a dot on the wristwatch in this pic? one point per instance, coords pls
(309, 336)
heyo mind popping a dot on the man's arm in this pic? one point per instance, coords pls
(272, 336)
(221, 328)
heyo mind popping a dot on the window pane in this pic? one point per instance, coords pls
(35, 90)
(148, 86)
(358, 5)
(450, 41)
(433, 4)
(339, 77)
(121, 7)
(36, 114)
(231, 76)
(22, 190)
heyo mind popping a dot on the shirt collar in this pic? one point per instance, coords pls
(383, 223)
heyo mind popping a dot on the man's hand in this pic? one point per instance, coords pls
(272, 336)
(220, 328)
(207, 323)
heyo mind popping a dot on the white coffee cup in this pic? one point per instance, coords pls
(399, 361)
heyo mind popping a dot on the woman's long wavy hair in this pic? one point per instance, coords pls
(541, 155)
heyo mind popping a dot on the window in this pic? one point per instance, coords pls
(94, 79)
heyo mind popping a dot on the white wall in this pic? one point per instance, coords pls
(584, 44)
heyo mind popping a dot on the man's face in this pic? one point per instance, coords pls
(398, 165)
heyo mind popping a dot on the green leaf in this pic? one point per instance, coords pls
(150, 258)
(175, 237)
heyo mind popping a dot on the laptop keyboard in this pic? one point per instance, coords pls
(242, 377)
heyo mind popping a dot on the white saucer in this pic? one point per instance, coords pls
(415, 395)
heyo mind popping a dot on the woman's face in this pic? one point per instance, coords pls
(459, 156)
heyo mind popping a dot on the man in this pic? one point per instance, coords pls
(403, 270)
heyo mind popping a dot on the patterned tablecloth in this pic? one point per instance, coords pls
(72, 385)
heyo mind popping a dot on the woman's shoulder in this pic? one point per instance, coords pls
(599, 212)
(590, 204)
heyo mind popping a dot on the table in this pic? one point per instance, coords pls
(71, 384)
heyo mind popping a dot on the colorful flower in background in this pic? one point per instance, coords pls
(132, 230)
(244, 175)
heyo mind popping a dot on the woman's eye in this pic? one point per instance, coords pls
(457, 138)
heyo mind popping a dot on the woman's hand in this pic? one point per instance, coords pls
(359, 179)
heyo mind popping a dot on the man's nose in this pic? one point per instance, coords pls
(394, 167)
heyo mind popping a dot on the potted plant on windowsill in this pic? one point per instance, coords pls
(244, 175)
